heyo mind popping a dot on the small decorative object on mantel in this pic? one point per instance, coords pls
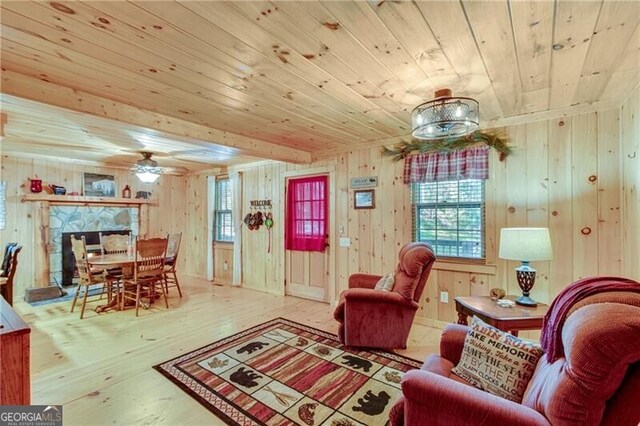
(491, 138)
(36, 186)
(58, 190)
(126, 192)
(143, 194)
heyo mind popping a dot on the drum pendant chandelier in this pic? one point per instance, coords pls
(444, 117)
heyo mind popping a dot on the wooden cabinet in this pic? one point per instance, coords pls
(15, 386)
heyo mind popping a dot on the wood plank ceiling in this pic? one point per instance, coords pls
(217, 83)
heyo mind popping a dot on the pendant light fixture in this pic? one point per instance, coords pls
(147, 170)
(445, 116)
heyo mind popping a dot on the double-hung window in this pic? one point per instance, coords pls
(449, 216)
(222, 215)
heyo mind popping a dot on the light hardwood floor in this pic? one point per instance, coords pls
(99, 368)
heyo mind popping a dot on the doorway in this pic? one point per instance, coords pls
(308, 216)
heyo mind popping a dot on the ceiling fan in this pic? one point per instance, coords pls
(147, 170)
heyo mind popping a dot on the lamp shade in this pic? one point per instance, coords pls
(525, 244)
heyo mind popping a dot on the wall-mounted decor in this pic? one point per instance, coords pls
(364, 199)
(98, 185)
(364, 182)
(492, 138)
(260, 203)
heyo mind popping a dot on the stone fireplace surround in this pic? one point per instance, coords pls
(70, 219)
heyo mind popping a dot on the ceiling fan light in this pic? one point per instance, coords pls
(445, 116)
(147, 170)
(147, 177)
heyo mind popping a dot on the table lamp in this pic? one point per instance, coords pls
(525, 245)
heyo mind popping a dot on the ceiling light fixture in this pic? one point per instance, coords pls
(445, 116)
(147, 169)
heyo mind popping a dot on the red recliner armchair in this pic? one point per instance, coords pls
(596, 381)
(382, 319)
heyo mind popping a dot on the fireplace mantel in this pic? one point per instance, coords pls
(40, 214)
(83, 201)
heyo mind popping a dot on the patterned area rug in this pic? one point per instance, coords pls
(284, 373)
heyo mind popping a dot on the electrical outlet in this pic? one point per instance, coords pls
(444, 296)
(345, 242)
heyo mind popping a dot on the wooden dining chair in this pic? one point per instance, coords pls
(148, 272)
(10, 265)
(170, 277)
(87, 275)
(114, 244)
(110, 244)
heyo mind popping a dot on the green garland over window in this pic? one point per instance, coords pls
(491, 138)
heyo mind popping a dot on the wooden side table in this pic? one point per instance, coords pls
(506, 319)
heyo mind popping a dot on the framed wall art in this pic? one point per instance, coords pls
(98, 185)
(364, 199)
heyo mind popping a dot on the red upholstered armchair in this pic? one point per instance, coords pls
(595, 382)
(382, 319)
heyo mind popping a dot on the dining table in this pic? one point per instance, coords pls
(111, 261)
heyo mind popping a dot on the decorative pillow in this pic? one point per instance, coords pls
(497, 362)
(385, 283)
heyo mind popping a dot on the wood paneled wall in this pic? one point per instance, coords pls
(576, 175)
(630, 162)
(223, 263)
(168, 216)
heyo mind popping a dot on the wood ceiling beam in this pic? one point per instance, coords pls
(22, 86)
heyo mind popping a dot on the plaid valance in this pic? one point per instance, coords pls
(468, 163)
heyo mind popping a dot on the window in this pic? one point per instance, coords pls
(306, 220)
(223, 222)
(449, 216)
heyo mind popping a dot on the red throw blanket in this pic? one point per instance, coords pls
(551, 339)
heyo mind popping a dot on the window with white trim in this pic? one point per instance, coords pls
(222, 212)
(449, 216)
